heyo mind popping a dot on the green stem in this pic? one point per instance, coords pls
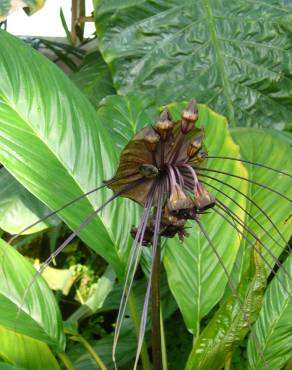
(163, 341)
(65, 360)
(227, 365)
(90, 350)
(135, 317)
(155, 301)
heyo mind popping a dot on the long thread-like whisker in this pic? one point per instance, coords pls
(250, 162)
(193, 174)
(233, 290)
(244, 179)
(253, 245)
(87, 221)
(154, 249)
(10, 241)
(245, 211)
(252, 233)
(131, 269)
(252, 202)
(179, 177)
(172, 178)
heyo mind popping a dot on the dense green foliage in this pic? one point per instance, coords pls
(61, 137)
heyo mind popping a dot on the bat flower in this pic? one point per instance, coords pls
(159, 163)
(158, 170)
(163, 168)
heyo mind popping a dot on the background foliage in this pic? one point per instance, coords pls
(231, 56)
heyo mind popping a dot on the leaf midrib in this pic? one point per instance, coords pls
(216, 46)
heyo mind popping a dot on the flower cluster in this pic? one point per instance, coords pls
(162, 160)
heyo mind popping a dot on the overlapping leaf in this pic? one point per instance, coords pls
(94, 78)
(52, 141)
(273, 328)
(19, 208)
(231, 55)
(229, 324)
(24, 352)
(32, 312)
(276, 153)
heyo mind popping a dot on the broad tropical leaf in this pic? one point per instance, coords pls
(229, 325)
(33, 312)
(19, 208)
(94, 78)
(9, 6)
(52, 141)
(273, 328)
(124, 116)
(276, 153)
(195, 275)
(233, 56)
(24, 353)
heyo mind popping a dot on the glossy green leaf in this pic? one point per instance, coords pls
(229, 325)
(5, 366)
(19, 208)
(53, 142)
(231, 55)
(94, 78)
(273, 328)
(195, 275)
(25, 352)
(37, 315)
(9, 6)
(276, 153)
(124, 116)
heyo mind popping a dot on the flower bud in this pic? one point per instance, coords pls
(194, 146)
(151, 140)
(171, 220)
(149, 171)
(189, 116)
(164, 126)
(201, 155)
(178, 201)
(205, 201)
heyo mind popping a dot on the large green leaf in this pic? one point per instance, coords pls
(33, 312)
(94, 78)
(9, 6)
(124, 116)
(276, 153)
(19, 208)
(25, 352)
(52, 141)
(273, 328)
(231, 55)
(229, 325)
(195, 275)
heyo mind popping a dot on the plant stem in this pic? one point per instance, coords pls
(163, 341)
(90, 350)
(155, 301)
(227, 365)
(65, 360)
(135, 317)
